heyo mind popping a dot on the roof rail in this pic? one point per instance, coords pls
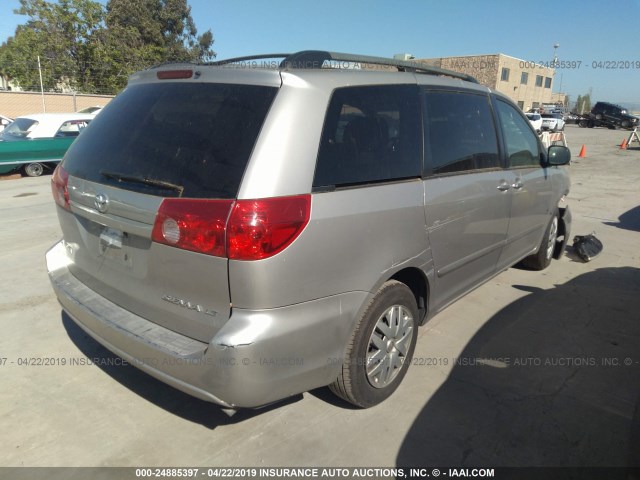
(315, 59)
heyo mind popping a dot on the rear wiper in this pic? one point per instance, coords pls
(122, 177)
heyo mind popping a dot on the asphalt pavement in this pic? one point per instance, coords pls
(530, 369)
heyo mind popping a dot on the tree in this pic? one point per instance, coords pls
(61, 34)
(583, 104)
(89, 48)
(144, 33)
(163, 27)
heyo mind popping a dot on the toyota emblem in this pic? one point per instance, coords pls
(101, 203)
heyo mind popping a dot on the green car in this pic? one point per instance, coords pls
(35, 143)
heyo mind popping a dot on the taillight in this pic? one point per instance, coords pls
(240, 230)
(174, 74)
(261, 228)
(59, 182)
(197, 225)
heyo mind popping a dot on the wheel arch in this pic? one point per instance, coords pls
(417, 282)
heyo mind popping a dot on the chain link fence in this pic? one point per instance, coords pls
(14, 104)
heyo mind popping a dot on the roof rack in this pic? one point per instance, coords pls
(315, 59)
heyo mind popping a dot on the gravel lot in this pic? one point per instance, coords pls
(547, 370)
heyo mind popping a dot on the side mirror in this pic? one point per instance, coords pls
(558, 155)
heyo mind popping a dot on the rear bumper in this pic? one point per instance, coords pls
(257, 357)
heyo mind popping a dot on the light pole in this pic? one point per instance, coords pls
(44, 106)
(555, 64)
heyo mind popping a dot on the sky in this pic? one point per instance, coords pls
(592, 34)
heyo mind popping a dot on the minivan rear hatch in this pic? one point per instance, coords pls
(166, 139)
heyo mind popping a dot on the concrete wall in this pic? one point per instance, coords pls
(14, 104)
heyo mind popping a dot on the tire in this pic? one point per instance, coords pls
(33, 169)
(625, 124)
(542, 259)
(583, 123)
(381, 347)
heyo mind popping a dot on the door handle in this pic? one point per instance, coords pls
(504, 186)
(517, 185)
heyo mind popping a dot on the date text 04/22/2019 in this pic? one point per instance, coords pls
(576, 64)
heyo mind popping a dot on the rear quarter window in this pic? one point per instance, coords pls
(198, 136)
(72, 128)
(371, 134)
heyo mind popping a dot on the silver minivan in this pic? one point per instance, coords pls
(248, 230)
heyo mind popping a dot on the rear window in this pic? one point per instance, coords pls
(197, 138)
(20, 127)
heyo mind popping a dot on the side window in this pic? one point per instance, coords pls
(459, 132)
(520, 141)
(71, 128)
(370, 134)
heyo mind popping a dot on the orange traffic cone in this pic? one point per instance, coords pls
(583, 152)
(623, 145)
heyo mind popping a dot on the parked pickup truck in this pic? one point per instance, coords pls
(609, 115)
(35, 143)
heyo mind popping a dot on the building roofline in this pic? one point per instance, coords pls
(510, 56)
(463, 56)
